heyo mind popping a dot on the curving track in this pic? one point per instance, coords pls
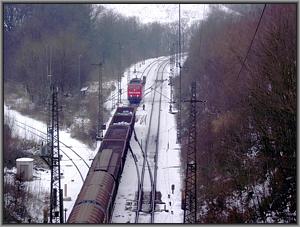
(24, 127)
(151, 156)
(146, 71)
(43, 133)
(154, 151)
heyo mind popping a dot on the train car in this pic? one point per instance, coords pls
(135, 91)
(124, 116)
(125, 110)
(95, 201)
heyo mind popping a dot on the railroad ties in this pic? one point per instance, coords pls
(146, 203)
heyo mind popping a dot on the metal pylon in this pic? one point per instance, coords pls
(171, 78)
(100, 105)
(179, 134)
(190, 199)
(120, 75)
(56, 194)
(100, 125)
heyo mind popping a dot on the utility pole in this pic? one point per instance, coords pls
(119, 75)
(179, 65)
(100, 125)
(171, 79)
(128, 75)
(190, 199)
(53, 157)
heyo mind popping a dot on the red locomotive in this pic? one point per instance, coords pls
(135, 91)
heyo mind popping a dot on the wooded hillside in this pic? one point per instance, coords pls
(246, 142)
(70, 38)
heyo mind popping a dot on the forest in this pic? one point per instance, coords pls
(65, 40)
(246, 129)
(244, 63)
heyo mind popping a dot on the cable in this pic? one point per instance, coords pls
(201, 30)
(262, 13)
(59, 149)
(67, 146)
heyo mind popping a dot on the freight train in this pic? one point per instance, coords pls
(94, 203)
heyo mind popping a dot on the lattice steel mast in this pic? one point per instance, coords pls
(179, 65)
(120, 75)
(190, 199)
(171, 78)
(100, 125)
(53, 155)
(56, 203)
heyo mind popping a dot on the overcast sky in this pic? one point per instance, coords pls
(160, 12)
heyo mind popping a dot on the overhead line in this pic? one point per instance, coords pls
(249, 48)
(67, 146)
(43, 138)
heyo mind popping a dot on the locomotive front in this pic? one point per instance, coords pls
(135, 90)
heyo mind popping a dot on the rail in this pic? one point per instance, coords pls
(145, 160)
(153, 197)
(45, 139)
(59, 141)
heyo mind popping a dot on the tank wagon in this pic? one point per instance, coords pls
(95, 201)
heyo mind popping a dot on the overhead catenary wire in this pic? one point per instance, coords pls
(157, 149)
(43, 138)
(67, 146)
(113, 95)
(145, 160)
(250, 46)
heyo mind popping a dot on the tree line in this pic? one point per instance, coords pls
(74, 36)
(64, 40)
(246, 141)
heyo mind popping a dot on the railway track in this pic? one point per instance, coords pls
(145, 160)
(45, 139)
(151, 157)
(148, 67)
(153, 196)
(67, 146)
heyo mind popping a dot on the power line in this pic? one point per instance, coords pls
(61, 143)
(243, 64)
(45, 139)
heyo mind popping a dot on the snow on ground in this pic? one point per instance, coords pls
(169, 166)
(169, 171)
(71, 176)
(129, 74)
(38, 193)
(169, 157)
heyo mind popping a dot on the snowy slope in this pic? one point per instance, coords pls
(71, 176)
